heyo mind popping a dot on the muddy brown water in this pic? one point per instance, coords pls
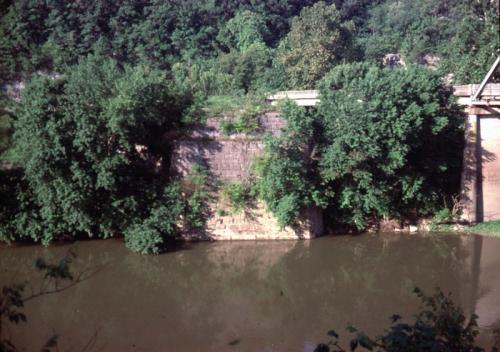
(251, 296)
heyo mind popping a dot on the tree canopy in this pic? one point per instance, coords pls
(94, 157)
(312, 36)
(392, 141)
(318, 40)
(383, 142)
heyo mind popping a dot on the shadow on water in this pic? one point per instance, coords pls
(251, 296)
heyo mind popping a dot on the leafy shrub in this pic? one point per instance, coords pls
(143, 239)
(285, 178)
(92, 161)
(443, 216)
(284, 188)
(148, 236)
(21, 218)
(195, 195)
(237, 194)
(392, 142)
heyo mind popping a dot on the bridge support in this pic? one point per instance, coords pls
(481, 167)
(471, 171)
(480, 193)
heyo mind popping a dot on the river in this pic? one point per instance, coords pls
(250, 296)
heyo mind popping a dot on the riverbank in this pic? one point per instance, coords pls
(489, 228)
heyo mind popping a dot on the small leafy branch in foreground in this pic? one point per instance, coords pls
(440, 326)
(57, 277)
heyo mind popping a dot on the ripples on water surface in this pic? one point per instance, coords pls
(251, 296)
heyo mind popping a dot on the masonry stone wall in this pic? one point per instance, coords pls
(228, 159)
(254, 223)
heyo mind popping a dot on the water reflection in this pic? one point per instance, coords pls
(253, 296)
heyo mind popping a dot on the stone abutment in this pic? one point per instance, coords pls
(228, 158)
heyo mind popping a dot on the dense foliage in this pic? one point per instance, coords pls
(247, 42)
(385, 142)
(457, 37)
(392, 141)
(317, 41)
(107, 80)
(286, 173)
(94, 158)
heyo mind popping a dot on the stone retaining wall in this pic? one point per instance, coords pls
(228, 159)
(255, 223)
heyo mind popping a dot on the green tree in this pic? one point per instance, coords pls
(317, 41)
(392, 142)
(21, 37)
(93, 153)
(242, 31)
(472, 40)
(461, 34)
(286, 173)
(406, 27)
(248, 69)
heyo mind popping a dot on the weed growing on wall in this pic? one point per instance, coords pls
(236, 114)
(237, 195)
(195, 197)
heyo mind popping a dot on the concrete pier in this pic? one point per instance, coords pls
(480, 194)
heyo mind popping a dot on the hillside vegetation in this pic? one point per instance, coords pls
(242, 45)
(109, 83)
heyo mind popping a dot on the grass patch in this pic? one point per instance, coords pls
(217, 105)
(237, 114)
(490, 228)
